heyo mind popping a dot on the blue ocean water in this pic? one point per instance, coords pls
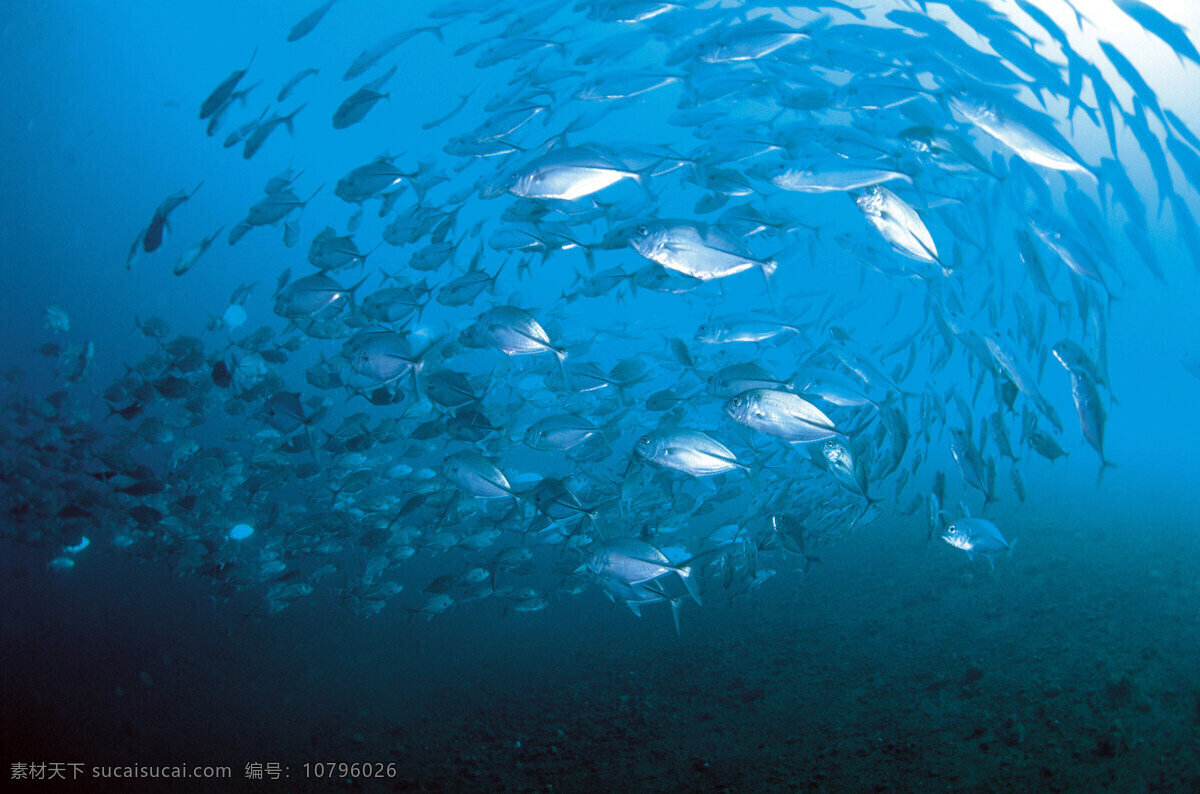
(437, 577)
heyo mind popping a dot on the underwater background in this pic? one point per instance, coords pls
(601, 396)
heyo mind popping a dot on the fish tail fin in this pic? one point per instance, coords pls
(314, 193)
(287, 122)
(674, 602)
(350, 292)
(1105, 465)
(312, 447)
(612, 430)
(755, 470)
(238, 232)
(685, 576)
(495, 277)
(769, 268)
(560, 355)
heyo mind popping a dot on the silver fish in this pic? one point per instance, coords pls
(781, 414)
(689, 451)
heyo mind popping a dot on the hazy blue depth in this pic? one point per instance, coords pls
(786, 629)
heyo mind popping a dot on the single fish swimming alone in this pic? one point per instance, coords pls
(977, 536)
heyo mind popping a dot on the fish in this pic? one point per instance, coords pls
(781, 414)
(221, 94)
(293, 81)
(256, 139)
(897, 222)
(568, 175)
(1046, 445)
(381, 357)
(561, 432)
(152, 237)
(275, 208)
(1092, 416)
(944, 149)
(1031, 145)
(312, 297)
(737, 378)
(689, 451)
(356, 106)
(369, 57)
(696, 250)
(836, 457)
(1156, 23)
(477, 475)
(978, 536)
(310, 21)
(462, 291)
(632, 562)
(55, 319)
(515, 332)
(834, 176)
(725, 330)
(189, 258)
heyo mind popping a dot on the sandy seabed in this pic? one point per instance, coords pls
(897, 666)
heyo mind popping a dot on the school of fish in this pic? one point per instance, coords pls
(709, 286)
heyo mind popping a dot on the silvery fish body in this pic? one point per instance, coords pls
(633, 562)
(834, 176)
(379, 355)
(315, 296)
(515, 332)
(476, 475)
(781, 414)
(899, 223)
(694, 249)
(977, 536)
(567, 174)
(1030, 145)
(690, 451)
(560, 432)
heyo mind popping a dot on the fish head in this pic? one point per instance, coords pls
(708, 333)
(740, 406)
(644, 239)
(917, 139)
(528, 182)
(869, 200)
(453, 469)
(651, 447)
(595, 559)
(533, 436)
(835, 453)
(972, 107)
(957, 535)
(793, 178)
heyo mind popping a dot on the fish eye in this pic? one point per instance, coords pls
(644, 441)
(736, 402)
(641, 231)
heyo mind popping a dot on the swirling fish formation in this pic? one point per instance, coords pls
(696, 289)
